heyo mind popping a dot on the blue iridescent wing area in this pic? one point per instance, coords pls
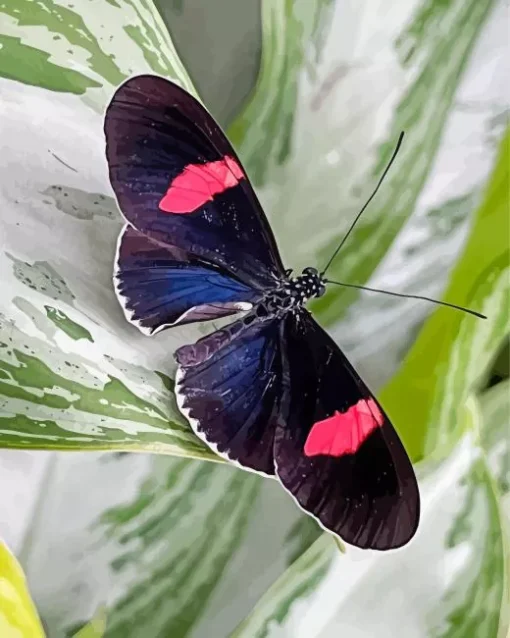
(161, 286)
(229, 385)
(179, 182)
(337, 452)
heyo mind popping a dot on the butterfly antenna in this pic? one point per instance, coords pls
(397, 147)
(398, 294)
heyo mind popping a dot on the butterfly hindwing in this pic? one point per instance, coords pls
(161, 285)
(179, 182)
(337, 452)
(229, 386)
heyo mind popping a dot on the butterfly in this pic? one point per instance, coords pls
(270, 391)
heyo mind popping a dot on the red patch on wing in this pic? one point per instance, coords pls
(344, 432)
(199, 183)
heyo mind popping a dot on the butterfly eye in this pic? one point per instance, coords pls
(310, 271)
(321, 290)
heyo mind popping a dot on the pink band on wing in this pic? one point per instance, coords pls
(199, 183)
(344, 432)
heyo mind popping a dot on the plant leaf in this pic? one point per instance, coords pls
(333, 141)
(453, 352)
(18, 616)
(166, 545)
(298, 582)
(95, 628)
(494, 437)
(434, 66)
(289, 28)
(73, 373)
(447, 583)
(190, 570)
(348, 99)
(83, 47)
(475, 603)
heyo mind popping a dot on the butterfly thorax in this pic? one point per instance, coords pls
(309, 284)
(292, 293)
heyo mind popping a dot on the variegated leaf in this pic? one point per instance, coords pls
(448, 583)
(495, 433)
(73, 373)
(167, 546)
(453, 353)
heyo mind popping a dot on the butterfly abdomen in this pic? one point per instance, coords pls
(291, 294)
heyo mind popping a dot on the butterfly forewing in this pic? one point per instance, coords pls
(178, 181)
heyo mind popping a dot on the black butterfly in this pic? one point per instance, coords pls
(270, 391)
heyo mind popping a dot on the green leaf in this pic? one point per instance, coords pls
(167, 546)
(73, 373)
(476, 601)
(70, 327)
(313, 159)
(74, 48)
(18, 616)
(303, 534)
(95, 628)
(35, 68)
(289, 28)
(449, 582)
(137, 411)
(59, 400)
(188, 570)
(453, 353)
(494, 435)
(422, 113)
(299, 581)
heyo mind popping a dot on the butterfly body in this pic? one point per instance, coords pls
(290, 295)
(270, 391)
